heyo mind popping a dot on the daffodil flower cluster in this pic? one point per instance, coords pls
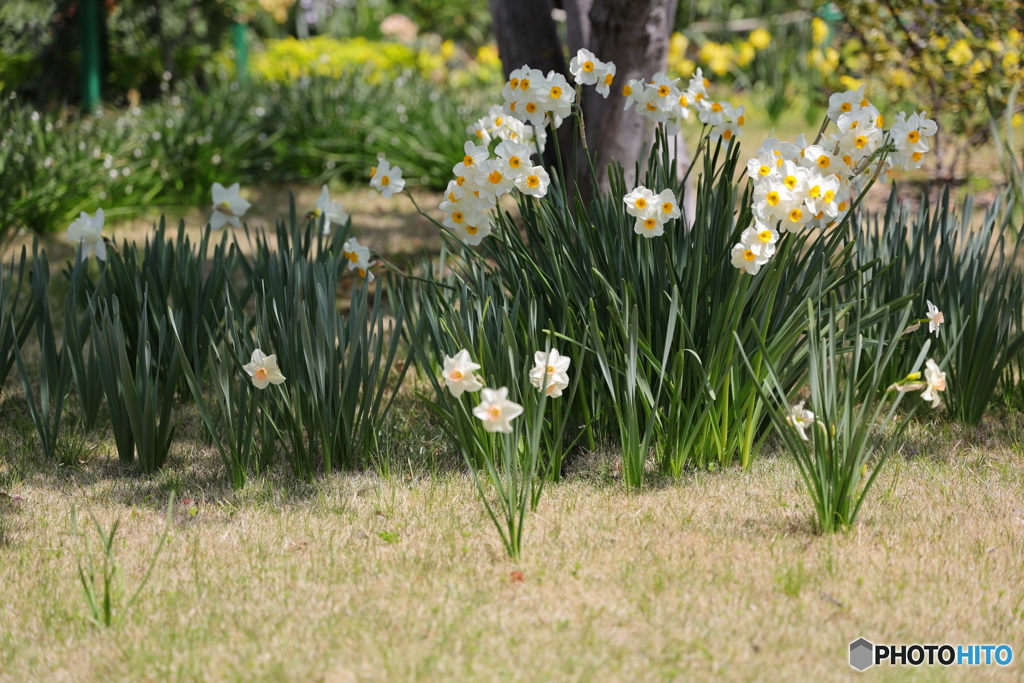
(386, 179)
(470, 199)
(586, 69)
(934, 382)
(804, 186)
(496, 125)
(662, 101)
(534, 98)
(652, 211)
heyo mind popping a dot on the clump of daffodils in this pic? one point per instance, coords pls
(800, 186)
(652, 211)
(534, 98)
(663, 101)
(481, 180)
(496, 125)
(587, 69)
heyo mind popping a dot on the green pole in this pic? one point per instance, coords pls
(90, 27)
(238, 36)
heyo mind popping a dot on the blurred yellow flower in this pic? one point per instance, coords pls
(850, 83)
(819, 30)
(677, 46)
(960, 53)
(759, 38)
(745, 55)
(487, 55)
(901, 78)
(1017, 120)
(448, 49)
(686, 67)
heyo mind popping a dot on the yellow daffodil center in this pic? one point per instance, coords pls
(640, 203)
(795, 215)
(764, 170)
(456, 375)
(373, 171)
(260, 374)
(699, 96)
(512, 105)
(765, 236)
(749, 254)
(588, 66)
(816, 191)
(652, 107)
(716, 107)
(667, 207)
(472, 229)
(824, 161)
(913, 136)
(848, 160)
(683, 101)
(530, 107)
(451, 197)
(789, 181)
(663, 90)
(494, 177)
(707, 83)
(845, 107)
(533, 181)
(479, 132)
(829, 196)
(842, 206)
(916, 156)
(555, 92)
(497, 121)
(459, 180)
(650, 223)
(772, 198)
(385, 181)
(627, 90)
(727, 133)
(467, 160)
(351, 256)
(514, 83)
(879, 120)
(525, 84)
(514, 162)
(361, 271)
(458, 217)
(494, 412)
(864, 102)
(741, 120)
(861, 141)
(608, 78)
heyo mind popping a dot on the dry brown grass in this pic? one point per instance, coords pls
(367, 578)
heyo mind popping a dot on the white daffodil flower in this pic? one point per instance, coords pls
(935, 381)
(845, 102)
(556, 369)
(386, 179)
(666, 207)
(333, 211)
(935, 318)
(514, 158)
(605, 79)
(493, 181)
(458, 374)
(556, 96)
(801, 418)
(535, 182)
(761, 235)
(358, 258)
(585, 67)
(632, 92)
(750, 257)
(474, 232)
(496, 411)
(763, 166)
(228, 206)
(86, 232)
(641, 202)
(263, 370)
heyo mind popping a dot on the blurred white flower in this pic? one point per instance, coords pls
(801, 418)
(935, 381)
(263, 370)
(228, 206)
(458, 374)
(387, 179)
(496, 411)
(556, 369)
(604, 84)
(332, 211)
(86, 231)
(358, 258)
(935, 318)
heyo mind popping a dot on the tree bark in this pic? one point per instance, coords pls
(526, 35)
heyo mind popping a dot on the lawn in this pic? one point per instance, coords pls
(399, 575)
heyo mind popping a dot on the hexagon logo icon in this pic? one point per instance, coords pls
(861, 654)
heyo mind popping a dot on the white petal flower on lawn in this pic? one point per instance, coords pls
(496, 411)
(228, 206)
(458, 374)
(801, 418)
(86, 231)
(935, 381)
(556, 367)
(263, 370)
(333, 211)
(935, 318)
(535, 182)
(640, 202)
(358, 258)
